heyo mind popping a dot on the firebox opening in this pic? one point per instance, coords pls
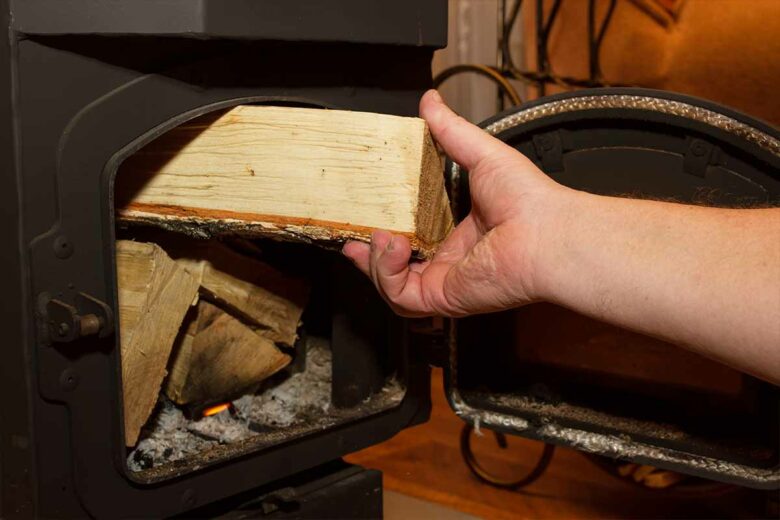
(231, 344)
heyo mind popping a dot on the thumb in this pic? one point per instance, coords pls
(463, 142)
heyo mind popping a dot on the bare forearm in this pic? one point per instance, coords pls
(705, 278)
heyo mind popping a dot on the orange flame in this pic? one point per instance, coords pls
(214, 410)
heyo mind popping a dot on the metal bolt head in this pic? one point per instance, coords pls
(89, 324)
(63, 329)
(63, 248)
(69, 379)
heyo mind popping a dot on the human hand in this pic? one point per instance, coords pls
(488, 263)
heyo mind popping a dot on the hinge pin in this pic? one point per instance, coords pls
(88, 316)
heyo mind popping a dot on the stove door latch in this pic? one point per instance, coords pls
(87, 316)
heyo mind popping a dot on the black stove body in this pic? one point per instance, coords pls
(85, 84)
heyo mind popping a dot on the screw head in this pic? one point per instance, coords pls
(63, 329)
(69, 379)
(698, 149)
(63, 248)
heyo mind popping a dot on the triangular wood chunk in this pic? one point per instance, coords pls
(261, 296)
(219, 358)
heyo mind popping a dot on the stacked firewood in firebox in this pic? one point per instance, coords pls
(203, 323)
(219, 321)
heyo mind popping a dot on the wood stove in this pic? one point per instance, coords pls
(86, 84)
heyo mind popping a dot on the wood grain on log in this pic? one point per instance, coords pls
(311, 175)
(258, 294)
(154, 295)
(219, 358)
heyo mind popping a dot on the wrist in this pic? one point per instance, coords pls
(554, 220)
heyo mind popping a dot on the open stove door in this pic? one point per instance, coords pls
(547, 373)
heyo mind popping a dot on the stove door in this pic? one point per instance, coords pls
(567, 379)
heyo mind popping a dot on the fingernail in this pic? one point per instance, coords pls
(437, 97)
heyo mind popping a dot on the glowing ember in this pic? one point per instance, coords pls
(214, 410)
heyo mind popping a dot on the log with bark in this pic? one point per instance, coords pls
(154, 295)
(311, 175)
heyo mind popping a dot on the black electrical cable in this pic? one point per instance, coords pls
(551, 18)
(544, 27)
(605, 23)
(544, 74)
(595, 41)
(506, 34)
(592, 40)
(541, 44)
(485, 476)
(482, 70)
(509, 68)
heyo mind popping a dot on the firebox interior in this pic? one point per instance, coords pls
(325, 386)
(348, 361)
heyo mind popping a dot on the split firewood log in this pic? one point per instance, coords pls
(154, 295)
(218, 358)
(301, 174)
(270, 301)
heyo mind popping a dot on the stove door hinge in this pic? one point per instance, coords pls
(64, 322)
(429, 340)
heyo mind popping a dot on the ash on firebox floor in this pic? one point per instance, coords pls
(303, 398)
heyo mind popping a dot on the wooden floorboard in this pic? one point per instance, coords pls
(425, 462)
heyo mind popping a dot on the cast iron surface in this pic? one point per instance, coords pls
(333, 490)
(643, 143)
(420, 23)
(73, 107)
